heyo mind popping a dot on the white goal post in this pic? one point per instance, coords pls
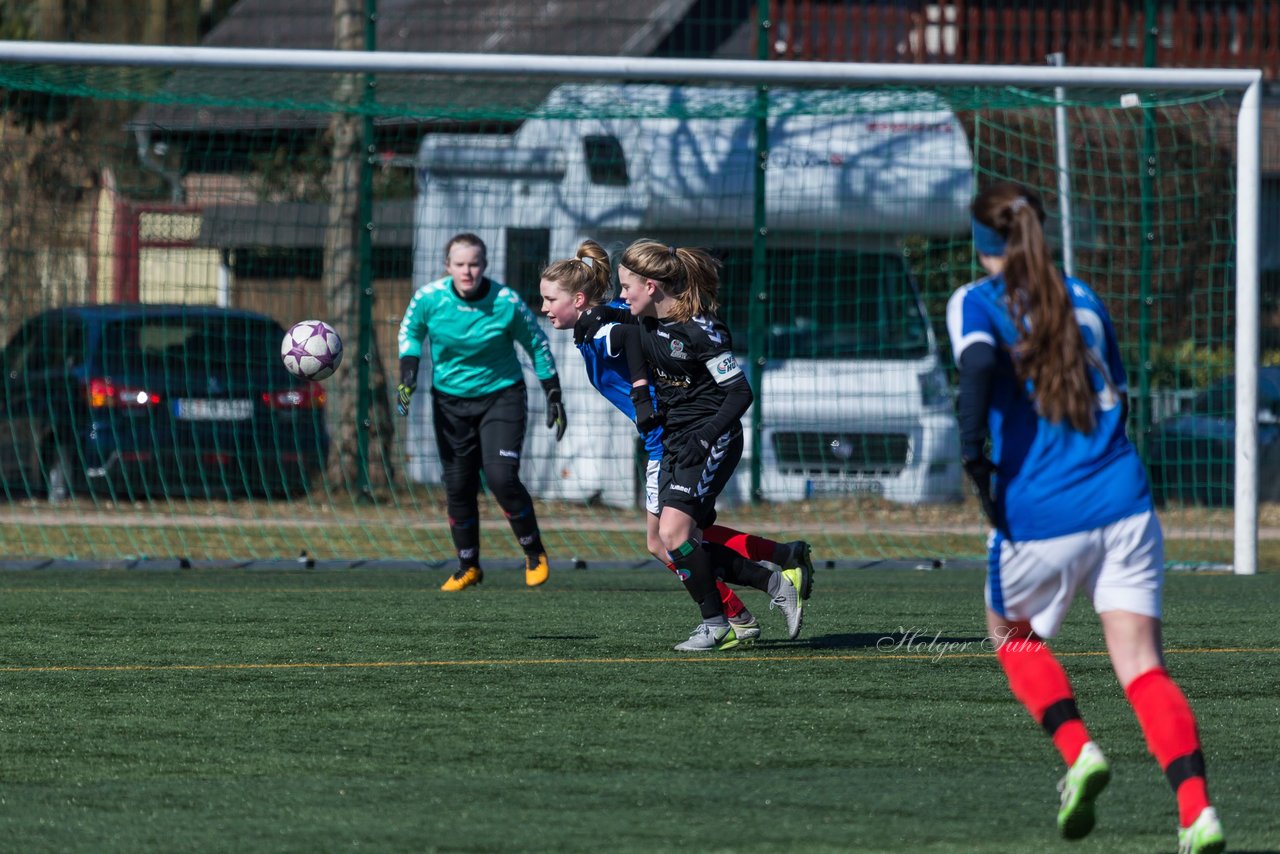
(1246, 82)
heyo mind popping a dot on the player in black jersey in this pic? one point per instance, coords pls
(702, 395)
(576, 295)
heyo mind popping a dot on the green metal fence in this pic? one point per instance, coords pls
(250, 200)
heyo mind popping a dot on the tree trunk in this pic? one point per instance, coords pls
(155, 26)
(51, 21)
(342, 286)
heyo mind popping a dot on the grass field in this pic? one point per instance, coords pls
(341, 710)
(849, 530)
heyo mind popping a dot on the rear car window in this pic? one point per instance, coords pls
(247, 347)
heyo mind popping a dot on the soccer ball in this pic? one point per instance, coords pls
(311, 350)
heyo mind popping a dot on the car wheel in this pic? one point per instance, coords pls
(298, 483)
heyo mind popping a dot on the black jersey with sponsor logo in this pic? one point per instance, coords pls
(690, 362)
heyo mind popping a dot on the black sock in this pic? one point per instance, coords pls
(694, 568)
(524, 524)
(466, 541)
(736, 569)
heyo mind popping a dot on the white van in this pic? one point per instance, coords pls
(852, 393)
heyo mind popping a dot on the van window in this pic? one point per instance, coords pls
(828, 304)
(528, 253)
(606, 161)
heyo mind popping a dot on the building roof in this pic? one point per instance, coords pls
(295, 225)
(599, 27)
(196, 100)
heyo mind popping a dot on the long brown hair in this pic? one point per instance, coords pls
(1050, 350)
(586, 273)
(690, 276)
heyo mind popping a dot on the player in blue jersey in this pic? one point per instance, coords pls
(478, 398)
(575, 295)
(1041, 378)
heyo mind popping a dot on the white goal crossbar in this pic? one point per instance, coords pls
(1248, 82)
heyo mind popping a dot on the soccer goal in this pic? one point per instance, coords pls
(169, 212)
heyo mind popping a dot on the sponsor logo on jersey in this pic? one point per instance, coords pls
(674, 380)
(511, 455)
(723, 367)
(677, 349)
(662, 334)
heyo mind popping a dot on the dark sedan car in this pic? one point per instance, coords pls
(150, 401)
(1191, 456)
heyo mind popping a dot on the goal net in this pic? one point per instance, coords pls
(163, 224)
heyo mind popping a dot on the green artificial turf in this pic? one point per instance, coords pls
(363, 709)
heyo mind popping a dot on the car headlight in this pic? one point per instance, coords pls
(934, 389)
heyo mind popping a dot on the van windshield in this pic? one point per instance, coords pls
(827, 304)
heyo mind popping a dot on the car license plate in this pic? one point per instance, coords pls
(196, 409)
(844, 486)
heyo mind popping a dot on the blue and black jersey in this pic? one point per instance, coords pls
(606, 365)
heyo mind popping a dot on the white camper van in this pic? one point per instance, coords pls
(853, 397)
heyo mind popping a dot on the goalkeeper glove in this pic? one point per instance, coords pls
(647, 417)
(555, 407)
(979, 470)
(404, 393)
(408, 382)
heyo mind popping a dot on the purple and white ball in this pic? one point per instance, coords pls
(311, 350)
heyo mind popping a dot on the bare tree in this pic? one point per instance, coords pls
(51, 20)
(342, 284)
(156, 24)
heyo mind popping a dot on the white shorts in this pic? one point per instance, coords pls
(651, 470)
(1119, 566)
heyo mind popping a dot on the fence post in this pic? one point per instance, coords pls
(757, 334)
(364, 400)
(1146, 181)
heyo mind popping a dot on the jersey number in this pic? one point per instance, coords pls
(1094, 337)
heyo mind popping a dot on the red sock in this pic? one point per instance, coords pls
(748, 545)
(1041, 685)
(1170, 727)
(732, 604)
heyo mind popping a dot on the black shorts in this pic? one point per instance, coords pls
(486, 430)
(694, 489)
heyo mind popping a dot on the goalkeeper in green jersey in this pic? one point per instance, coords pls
(478, 398)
